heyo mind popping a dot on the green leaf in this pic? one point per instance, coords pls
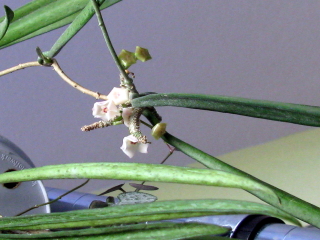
(77, 24)
(147, 172)
(127, 214)
(41, 16)
(45, 29)
(284, 112)
(6, 21)
(165, 230)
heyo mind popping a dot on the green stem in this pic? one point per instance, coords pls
(77, 24)
(164, 230)
(285, 112)
(128, 80)
(126, 214)
(295, 206)
(138, 172)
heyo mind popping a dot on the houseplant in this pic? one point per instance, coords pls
(228, 176)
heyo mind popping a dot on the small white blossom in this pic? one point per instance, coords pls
(126, 113)
(119, 95)
(131, 145)
(105, 110)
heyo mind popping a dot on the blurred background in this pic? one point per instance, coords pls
(254, 49)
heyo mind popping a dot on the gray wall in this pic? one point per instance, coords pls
(255, 49)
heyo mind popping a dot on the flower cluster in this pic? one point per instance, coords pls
(109, 111)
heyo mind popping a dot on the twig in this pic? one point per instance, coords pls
(54, 200)
(58, 69)
(19, 67)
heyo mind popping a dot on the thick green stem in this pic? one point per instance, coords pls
(295, 206)
(284, 112)
(164, 230)
(289, 203)
(79, 22)
(126, 214)
(136, 171)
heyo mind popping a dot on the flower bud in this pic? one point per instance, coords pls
(127, 58)
(158, 130)
(142, 54)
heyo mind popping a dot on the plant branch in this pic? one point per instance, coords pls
(60, 72)
(19, 67)
(74, 84)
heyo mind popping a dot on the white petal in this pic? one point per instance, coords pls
(98, 109)
(119, 95)
(126, 113)
(105, 110)
(113, 111)
(143, 148)
(130, 145)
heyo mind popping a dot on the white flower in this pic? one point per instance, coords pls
(131, 145)
(105, 110)
(126, 113)
(119, 95)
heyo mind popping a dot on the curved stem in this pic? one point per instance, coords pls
(77, 24)
(295, 206)
(58, 70)
(136, 171)
(277, 111)
(19, 67)
(288, 203)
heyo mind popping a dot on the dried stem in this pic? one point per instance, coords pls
(19, 67)
(58, 69)
(100, 124)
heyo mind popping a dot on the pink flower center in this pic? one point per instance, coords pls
(116, 95)
(105, 110)
(133, 143)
